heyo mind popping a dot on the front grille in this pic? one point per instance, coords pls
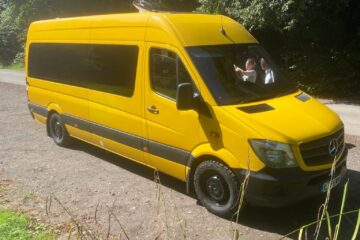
(317, 152)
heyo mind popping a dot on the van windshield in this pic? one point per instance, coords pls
(239, 73)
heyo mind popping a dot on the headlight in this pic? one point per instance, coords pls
(274, 154)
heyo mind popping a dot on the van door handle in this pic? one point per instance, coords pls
(153, 110)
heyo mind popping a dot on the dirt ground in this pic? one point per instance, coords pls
(111, 197)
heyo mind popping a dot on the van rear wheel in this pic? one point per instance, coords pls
(217, 188)
(58, 131)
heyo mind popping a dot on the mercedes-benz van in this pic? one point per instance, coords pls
(191, 95)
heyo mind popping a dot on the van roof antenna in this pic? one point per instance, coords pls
(223, 32)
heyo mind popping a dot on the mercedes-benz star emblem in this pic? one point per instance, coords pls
(333, 147)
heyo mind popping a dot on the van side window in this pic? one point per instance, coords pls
(166, 72)
(62, 63)
(113, 69)
(107, 68)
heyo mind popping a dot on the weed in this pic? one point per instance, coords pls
(14, 226)
(243, 188)
(28, 196)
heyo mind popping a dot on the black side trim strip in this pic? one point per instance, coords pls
(106, 132)
(174, 154)
(76, 122)
(38, 109)
(158, 149)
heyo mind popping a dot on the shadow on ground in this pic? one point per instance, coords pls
(130, 166)
(276, 220)
(285, 220)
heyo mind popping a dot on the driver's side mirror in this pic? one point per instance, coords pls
(185, 97)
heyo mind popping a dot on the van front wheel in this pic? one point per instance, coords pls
(217, 188)
(58, 131)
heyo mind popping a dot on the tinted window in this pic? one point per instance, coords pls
(113, 69)
(65, 63)
(108, 68)
(166, 72)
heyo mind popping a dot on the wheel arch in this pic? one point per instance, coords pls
(204, 153)
(52, 108)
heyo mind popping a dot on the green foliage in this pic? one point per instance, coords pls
(258, 14)
(9, 34)
(17, 227)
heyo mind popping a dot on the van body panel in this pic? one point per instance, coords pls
(229, 145)
(159, 31)
(39, 118)
(192, 32)
(119, 28)
(282, 123)
(47, 33)
(63, 99)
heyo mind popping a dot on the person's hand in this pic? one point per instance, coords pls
(238, 70)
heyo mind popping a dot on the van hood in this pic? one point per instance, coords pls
(294, 118)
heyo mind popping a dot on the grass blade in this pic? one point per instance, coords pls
(356, 228)
(301, 233)
(329, 224)
(70, 230)
(337, 228)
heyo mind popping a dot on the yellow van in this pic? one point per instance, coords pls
(194, 96)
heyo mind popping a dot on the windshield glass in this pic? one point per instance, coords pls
(239, 73)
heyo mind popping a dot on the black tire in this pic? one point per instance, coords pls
(217, 188)
(58, 132)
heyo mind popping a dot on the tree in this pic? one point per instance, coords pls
(9, 33)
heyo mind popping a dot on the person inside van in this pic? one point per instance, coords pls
(269, 74)
(248, 75)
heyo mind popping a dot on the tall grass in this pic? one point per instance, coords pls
(243, 188)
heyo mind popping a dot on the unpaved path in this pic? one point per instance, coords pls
(12, 76)
(90, 182)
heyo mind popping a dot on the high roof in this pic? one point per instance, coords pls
(187, 29)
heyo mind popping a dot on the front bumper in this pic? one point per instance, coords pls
(283, 187)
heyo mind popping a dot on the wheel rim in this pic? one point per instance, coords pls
(216, 188)
(57, 129)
